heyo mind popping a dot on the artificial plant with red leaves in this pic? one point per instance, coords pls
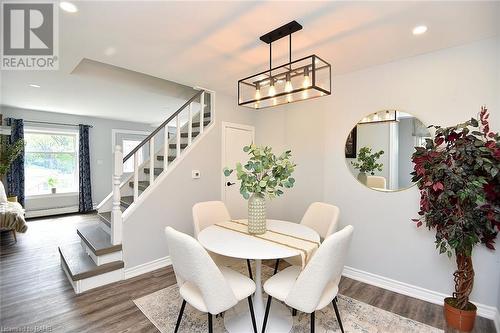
(457, 174)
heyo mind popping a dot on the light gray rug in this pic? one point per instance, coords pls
(162, 308)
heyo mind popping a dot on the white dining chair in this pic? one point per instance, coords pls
(317, 285)
(208, 213)
(322, 218)
(202, 284)
(376, 182)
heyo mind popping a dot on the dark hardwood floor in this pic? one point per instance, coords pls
(36, 296)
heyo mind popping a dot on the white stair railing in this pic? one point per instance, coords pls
(174, 120)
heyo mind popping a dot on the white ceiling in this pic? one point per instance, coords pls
(213, 44)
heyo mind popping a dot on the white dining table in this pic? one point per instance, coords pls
(239, 245)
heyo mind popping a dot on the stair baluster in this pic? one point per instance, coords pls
(202, 103)
(151, 160)
(116, 213)
(190, 123)
(166, 148)
(136, 176)
(178, 133)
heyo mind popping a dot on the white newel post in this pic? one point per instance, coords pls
(116, 213)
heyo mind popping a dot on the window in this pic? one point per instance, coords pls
(128, 146)
(51, 161)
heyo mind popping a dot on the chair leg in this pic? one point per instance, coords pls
(294, 312)
(179, 318)
(268, 307)
(337, 314)
(249, 269)
(252, 314)
(276, 266)
(210, 327)
(14, 234)
(312, 322)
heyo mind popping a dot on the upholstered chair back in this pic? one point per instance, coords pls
(192, 264)
(322, 217)
(325, 267)
(207, 213)
(376, 181)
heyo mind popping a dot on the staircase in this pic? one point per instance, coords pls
(97, 260)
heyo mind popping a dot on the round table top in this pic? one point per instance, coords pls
(238, 245)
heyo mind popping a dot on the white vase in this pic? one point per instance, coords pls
(257, 214)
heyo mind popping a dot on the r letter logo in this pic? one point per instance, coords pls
(29, 40)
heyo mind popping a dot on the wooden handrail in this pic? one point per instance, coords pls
(169, 119)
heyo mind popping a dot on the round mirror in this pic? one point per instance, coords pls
(378, 149)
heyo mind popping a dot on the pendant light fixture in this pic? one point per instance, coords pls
(297, 80)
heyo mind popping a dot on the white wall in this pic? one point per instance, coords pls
(143, 236)
(445, 88)
(100, 151)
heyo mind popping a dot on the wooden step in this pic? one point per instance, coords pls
(143, 184)
(157, 171)
(174, 145)
(185, 135)
(80, 266)
(160, 158)
(105, 218)
(97, 240)
(197, 123)
(126, 201)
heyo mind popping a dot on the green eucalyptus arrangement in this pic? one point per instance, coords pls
(264, 173)
(367, 162)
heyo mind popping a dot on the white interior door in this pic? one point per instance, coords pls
(234, 138)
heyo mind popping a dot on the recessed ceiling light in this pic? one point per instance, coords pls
(68, 7)
(419, 29)
(34, 85)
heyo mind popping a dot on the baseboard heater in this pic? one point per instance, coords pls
(52, 211)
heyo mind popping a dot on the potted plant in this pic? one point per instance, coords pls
(52, 182)
(367, 163)
(457, 174)
(264, 174)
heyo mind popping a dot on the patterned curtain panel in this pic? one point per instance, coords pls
(15, 175)
(85, 192)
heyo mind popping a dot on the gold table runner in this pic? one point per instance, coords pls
(306, 247)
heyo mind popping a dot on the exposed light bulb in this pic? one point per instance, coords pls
(275, 101)
(272, 90)
(307, 81)
(257, 91)
(289, 98)
(288, 84)
(305, 94)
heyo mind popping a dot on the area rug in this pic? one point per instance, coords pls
(162, 308)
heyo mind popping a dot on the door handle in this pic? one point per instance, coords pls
(229, 184)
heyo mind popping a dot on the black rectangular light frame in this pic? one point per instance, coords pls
(313, 85)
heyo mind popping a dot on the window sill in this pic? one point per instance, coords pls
(50, 195)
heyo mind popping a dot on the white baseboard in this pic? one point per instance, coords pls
(435, 297)
(146, 267)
